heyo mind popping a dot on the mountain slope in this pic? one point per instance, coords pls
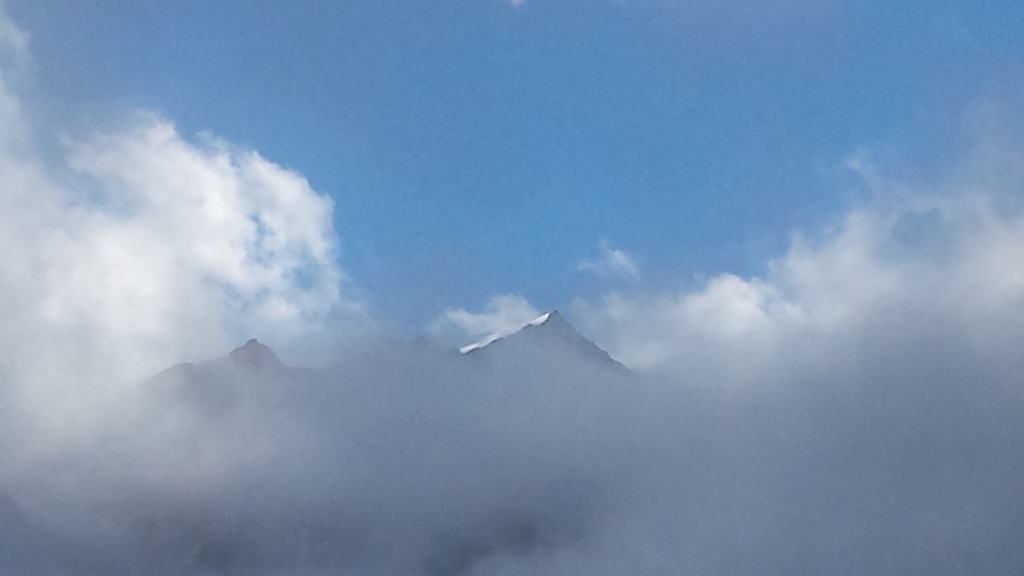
(547, 336)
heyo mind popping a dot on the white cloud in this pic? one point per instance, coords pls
(944, 256)
(140, 248)
(613, 262)
(502, 312)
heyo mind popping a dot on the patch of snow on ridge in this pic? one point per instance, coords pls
(538, 320)
(490, 339)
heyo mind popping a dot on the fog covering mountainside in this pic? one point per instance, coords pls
(532, 455)
(399, 459)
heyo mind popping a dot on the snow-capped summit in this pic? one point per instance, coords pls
(550, 331)
(501, 334)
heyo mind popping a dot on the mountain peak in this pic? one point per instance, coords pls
(254, 354)
(549, 329)
(552, 317)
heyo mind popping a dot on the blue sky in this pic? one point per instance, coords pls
(483, 147)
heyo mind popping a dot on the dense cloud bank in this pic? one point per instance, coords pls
(533, 456)
(859, 410)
